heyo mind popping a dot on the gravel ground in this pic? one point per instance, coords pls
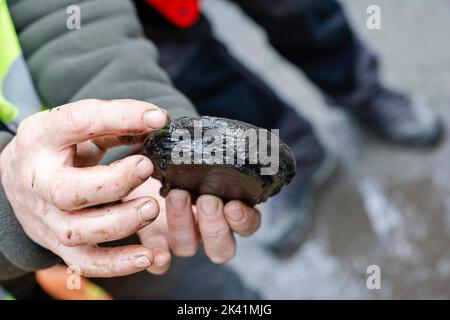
(386, 206)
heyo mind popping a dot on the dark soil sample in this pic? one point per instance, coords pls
(227, 158)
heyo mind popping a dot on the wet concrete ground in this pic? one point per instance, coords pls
(385, 206)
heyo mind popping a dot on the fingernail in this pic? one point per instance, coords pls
(142, 262)
(144, 168)
(160, 257)
(178, 200)
(166, 114)
(155, 119)
(236, 214)
(148, 212)
(210, 206)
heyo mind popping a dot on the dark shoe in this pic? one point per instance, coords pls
(395, 118)
(289, 214)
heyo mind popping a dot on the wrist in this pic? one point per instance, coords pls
(16, 247)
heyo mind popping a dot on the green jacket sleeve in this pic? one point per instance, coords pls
(108, 57)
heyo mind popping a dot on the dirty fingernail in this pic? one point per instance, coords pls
(144, 168)
(142, 262)
(155, 119)
(210, 206)
(148, 212)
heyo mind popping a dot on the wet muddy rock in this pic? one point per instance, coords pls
(227, 158)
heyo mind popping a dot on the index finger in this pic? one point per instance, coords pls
(87, 119)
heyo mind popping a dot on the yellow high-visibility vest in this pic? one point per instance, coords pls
(18, 96)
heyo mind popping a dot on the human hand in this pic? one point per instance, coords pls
(52, 182)
(181, 227)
